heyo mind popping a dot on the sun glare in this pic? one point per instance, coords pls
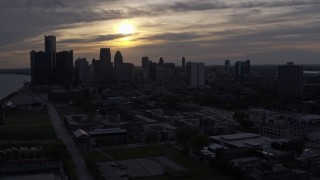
(126, 29)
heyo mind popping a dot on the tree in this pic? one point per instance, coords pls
(240, 116)
(185, 134)
(199, 141)
(243, 119)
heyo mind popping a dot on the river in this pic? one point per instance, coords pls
(10, 83)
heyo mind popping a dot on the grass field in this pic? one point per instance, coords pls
(198, 169)
(27, 126)
(94, 156)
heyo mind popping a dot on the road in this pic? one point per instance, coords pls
(63, 134)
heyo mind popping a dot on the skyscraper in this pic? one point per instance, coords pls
(50, 50)
(118, 59)
(290, 80)
(242, 67)
(195, 75)
(105, 54)
(39, 65)
(183, 63)
(82, 70)
(145, 67)
(64, 68)
(161, 62)
(227, 66)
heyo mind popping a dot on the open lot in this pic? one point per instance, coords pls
(146, 167)
(198, 169)
(27, 126)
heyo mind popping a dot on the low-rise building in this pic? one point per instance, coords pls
(108, 137)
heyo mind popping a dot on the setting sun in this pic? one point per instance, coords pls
(126, 29)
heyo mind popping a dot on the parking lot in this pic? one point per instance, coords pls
(145, 167)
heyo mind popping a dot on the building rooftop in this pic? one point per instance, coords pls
(79, 133)
(146, 119)
(107, 131)
(243, 140)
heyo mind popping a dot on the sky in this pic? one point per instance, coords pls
(209, 31)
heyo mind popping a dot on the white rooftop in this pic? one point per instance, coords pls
(79, 133)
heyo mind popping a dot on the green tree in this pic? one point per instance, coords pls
(240, 116)
(199, 141)
(185, 134)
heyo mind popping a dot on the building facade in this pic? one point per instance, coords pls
(195, 75)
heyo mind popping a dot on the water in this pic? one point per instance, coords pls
(10, 83)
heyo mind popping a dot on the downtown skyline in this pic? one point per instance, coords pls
(267, 32)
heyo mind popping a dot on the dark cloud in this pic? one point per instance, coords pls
(92, 39)
(202, 6)
(183, 36)
(46, 4)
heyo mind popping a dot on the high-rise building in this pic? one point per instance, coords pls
(195, 75)
(290, 80)
(104, 67)
(152, 70)
(183, 64)
(145, 67)
(64, 68)
(124, 72)
(50, 50)
(105, 54)
(227, 66)
(161, 62)
(82, 70)
(118, 59)
(39, 68)
(242, 67)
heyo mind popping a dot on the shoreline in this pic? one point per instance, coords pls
(14, 92)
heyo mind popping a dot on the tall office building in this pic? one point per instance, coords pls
(104, 67)
(227, 66)
(195, 75)
(50, 50)
(118, 59)
(64, 68)
(82, 70)
(290, 80)
(242, 67)
(124, 72)
(183, 63)
(39, 68)
(145, 67)
(161, 62)
(105, 54)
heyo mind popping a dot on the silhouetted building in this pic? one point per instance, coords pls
(82, 70)
(124, 72)
(161, 62)
(39, 68)
(50, 50)
(171, 66)
(163, 73)
(64, 68)
(242, 67)
(145, 67)
(103, 68)
(290, 80)
(152, 70)
(195, 75)
(105, 54)
(227, 66)
(183, 63)
(118, 59)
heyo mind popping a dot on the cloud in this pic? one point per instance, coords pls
(98, 38)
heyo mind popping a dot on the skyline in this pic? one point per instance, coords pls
(267, 32)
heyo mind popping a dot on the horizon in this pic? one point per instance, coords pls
(266, 32)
